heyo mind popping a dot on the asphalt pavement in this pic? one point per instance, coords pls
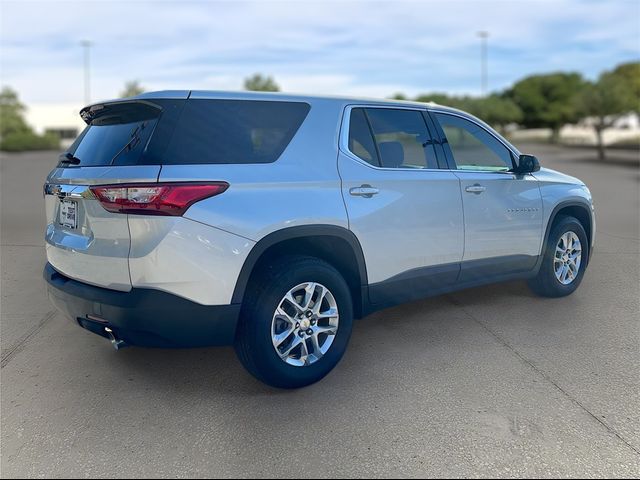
(488, 382)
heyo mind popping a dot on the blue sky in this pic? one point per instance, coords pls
(356, 48)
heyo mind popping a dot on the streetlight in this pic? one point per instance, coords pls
(484, 35)
(86, 45)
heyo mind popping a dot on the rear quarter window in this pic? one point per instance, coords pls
(120, 144)
(126, 132)
(234, 131)
(117, 133)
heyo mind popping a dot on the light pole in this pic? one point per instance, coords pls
(86, 45)
(484, 76)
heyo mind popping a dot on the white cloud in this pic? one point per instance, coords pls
(365, 48)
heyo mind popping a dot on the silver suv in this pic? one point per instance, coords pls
(271, 221)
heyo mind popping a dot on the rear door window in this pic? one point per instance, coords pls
(234, 131)
(360, 139)
(391, 138)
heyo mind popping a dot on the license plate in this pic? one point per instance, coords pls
(68, 213)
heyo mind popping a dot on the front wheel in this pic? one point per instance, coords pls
(564, 259)
(296, 323)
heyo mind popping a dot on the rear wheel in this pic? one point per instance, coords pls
(564, 259)
(296, 322)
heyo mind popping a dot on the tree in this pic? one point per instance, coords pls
(548, 101)
(398, 96)
(131, 89)
(439, 98)
(11, 113)
(494, 109)
(260, 83)
(611, 96)
(15, 134)
(630, 73)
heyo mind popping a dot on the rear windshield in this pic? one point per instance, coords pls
(234, 131)
(117, 134)
(187, 132)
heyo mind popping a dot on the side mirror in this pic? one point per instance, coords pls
(527, 164)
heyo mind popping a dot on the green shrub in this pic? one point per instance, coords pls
(24, 141)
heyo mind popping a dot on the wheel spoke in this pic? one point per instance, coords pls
(280, 313)
(280, 338)
(563, 275)
(574, 268)
(330, 313)
(304, 352)
(317, 352)
(329, 329)
(309, 290)
(289, 298)
(297, 341)
(321, 296)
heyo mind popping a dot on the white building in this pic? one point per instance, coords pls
(63, 119)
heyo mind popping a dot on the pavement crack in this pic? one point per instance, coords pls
(17, 347)
(545, 376)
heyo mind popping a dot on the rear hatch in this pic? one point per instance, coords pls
(122, 144)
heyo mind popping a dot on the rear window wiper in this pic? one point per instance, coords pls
(133, 143)
(68, 158)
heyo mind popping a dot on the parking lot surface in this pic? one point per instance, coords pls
(492, 381)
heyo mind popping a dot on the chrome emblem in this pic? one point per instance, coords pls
(521, 210)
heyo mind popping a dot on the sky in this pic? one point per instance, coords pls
(358, 48)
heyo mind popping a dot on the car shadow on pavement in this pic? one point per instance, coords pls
(436, 323)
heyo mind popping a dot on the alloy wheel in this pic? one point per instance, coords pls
(567, 258)
(305, 324)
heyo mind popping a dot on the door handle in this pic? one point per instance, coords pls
(476, 188)
(366, 191)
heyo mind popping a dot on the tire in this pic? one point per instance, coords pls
(255, 339)
(547, 283)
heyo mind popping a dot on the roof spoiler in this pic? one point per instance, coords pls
(120, 111)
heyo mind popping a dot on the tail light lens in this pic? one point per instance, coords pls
(155, 198)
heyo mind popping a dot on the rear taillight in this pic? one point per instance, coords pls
(155, 198)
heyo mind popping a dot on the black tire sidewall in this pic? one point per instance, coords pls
(258, 315)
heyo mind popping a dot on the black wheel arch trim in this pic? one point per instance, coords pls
(300, 232)
(554, 213)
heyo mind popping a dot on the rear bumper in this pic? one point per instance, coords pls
(142, 316)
